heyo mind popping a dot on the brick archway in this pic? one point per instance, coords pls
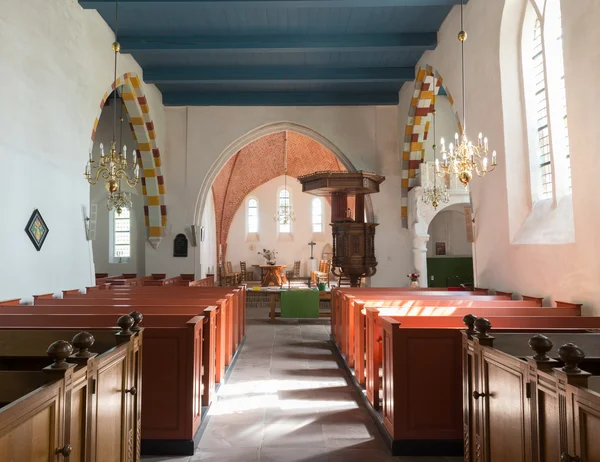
(148, 154)
(427, 86)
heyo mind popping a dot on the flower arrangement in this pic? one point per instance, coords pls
(269, 255)
(413, 277)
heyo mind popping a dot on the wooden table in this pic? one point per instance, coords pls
(274, 295)
(274, 274)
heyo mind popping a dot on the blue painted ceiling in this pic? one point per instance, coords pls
(276, 52)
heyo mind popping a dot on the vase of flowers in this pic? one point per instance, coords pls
(414, 280)
(269, 256)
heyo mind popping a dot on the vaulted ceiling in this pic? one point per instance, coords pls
(276, 52)
(261, 161)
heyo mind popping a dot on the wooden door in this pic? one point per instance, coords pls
(545, 418)
(585, 419)
(135, 408)
(32, 429)
(502, 407)
(113, 438)
(468, 382)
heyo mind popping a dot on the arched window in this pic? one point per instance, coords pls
(546, 100)
(252, 216)
(121, 237)
(284, 208)
(317, 215)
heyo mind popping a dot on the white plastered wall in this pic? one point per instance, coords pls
(289, 247)
(57, 63)
(566, 272)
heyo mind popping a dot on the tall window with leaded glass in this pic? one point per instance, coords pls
(317, 215)
(252, 216)
(121, 235)
(545, 96)
(284, 205)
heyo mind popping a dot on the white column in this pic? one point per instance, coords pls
(420, 255)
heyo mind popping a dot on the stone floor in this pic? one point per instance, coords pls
(287, 400)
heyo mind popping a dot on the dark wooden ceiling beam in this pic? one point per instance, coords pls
(283, 42)
(280, 98)
(278, 3)
(238, 74)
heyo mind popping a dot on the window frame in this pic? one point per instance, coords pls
(555, 98)
(248, 208)
(279, 205)
(113, 217)
(316, 200)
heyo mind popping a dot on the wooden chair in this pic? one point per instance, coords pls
(323, 274)
(245, 273)
(225, 277)
(230, 272)
(295, 274)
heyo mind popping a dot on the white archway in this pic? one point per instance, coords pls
(420, 216)
(254, 135)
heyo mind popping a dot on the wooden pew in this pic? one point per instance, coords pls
(422, 390)
(172, 374)
(372, 314)
(339, 312)
(239, 292)
(351, 327)
(71, 409)
(229, 320)
(527, 401)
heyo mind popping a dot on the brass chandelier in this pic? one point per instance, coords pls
(285, 213)
(435, 194)
(463, 157)
(112, 167)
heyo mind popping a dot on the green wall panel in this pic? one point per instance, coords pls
(449, 271)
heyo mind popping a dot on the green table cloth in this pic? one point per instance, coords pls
(300, 304)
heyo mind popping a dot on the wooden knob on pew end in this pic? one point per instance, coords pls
(541, 345)
(571, 355)
(469, 321)
(483, 326)
(137, 319)
(125, 322)
(64, 451)
(132, 391)
(59, 351)
(83, 341)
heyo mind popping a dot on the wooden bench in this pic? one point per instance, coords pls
(66, 404)
(421, 389)
(230, 312)
(339, 312)
(531, 397)
(172, 378)
(350, 326)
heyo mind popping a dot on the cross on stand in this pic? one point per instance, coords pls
(312, 247)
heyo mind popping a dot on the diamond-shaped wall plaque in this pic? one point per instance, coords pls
(36, 229)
